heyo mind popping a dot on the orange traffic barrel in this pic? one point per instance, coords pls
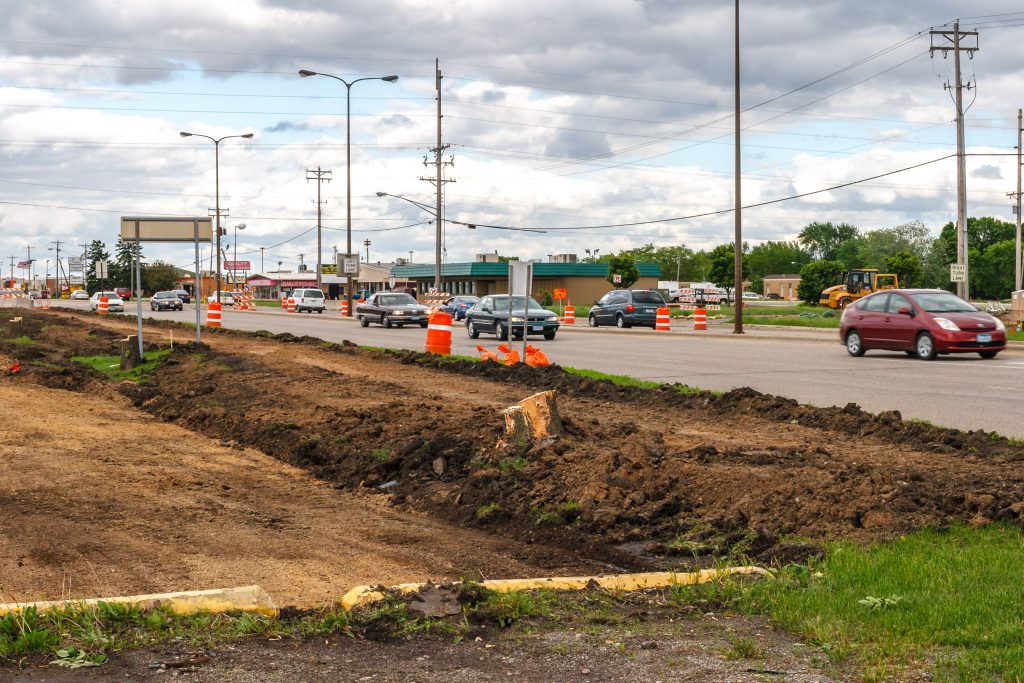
(700, 319)
(570, 316)
(439, 334)
(103, 307)
(284, 303)
(344, 308)
(291, 304)
(213, 315)
(662, 322)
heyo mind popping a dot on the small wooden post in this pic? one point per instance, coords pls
(130, 356)
(15, 326)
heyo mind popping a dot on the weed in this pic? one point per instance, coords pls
(23, 340)
(508, 465)
(508, 608)
(73, 658)
(485, 512)
(743, 648)
(549, 518)
(383, 454)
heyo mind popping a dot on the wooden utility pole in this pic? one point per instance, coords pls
(1018, 284)
(438, 180)
(952, 41)
(319, 176)
(738, 198)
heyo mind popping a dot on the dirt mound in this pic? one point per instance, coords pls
(655, 471)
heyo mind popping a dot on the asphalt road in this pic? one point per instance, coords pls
(810, 366)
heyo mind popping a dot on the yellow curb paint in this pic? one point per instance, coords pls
(242, 599)
(361, 595)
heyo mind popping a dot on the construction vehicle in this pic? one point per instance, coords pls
(858, 283)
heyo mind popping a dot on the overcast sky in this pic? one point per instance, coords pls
(562, 116)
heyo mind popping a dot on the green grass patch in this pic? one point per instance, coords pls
(23, 340)
(792, 321)
(383, 454)
(626, 381)
(949, 601)
(110, 366)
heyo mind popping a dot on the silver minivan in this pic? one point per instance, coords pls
(308, 300)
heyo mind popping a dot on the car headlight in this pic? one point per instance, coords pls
(399, 312)
(999, 325)
(517, 320)
(552, 318)
(947, 324)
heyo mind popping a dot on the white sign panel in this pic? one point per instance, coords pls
(520, 278)
(101, 270)
(76, 263)
(166, 228)
(957, 272)
(617, 279)
(347, 264)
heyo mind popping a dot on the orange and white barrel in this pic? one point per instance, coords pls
(439, 333)
(700, 319)
(284, 303)
(103, 307)
(570, 316)
(291, 305)
(344, 308)
(213, 315)
(663, 322)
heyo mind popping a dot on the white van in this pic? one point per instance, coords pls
(308, 300)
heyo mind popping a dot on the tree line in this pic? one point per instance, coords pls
(156, 277)
(823, 251)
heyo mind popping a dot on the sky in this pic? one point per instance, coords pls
(599, 125)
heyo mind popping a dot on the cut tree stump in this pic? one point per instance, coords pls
(130, 356)
(535, 418)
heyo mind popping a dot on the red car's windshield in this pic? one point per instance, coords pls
(942, 302)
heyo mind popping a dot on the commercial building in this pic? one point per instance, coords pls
(783, 285)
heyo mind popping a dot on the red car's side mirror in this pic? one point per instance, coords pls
(905, 311)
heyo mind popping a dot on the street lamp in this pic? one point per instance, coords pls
(216, 156)
(305, 73)
(234, 271)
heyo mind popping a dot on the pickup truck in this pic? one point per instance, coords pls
(392, 309)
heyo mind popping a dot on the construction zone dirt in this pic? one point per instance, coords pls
(641, 478)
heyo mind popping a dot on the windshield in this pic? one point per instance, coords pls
(109, 295)
(942, 302)
(501, 302)
(396, 300)
(165, 295)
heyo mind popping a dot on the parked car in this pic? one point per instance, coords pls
(165, 301)
(751, 296)
(39, 294)
(457, 306)
(626, 308)
(921, 322)
(114, 302)
(491, 315)
(391, 309)
(124, 293)
(183, 294)
(228, 298)
(308, 300)
(79, 295)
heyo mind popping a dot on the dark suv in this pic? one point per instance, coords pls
(627, 307)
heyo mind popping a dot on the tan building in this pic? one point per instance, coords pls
(784, 285)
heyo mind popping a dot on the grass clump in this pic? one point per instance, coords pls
(23, 340)
(485, 512)
(382, 454)
(110, 366)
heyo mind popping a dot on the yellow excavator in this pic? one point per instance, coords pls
(859, 283)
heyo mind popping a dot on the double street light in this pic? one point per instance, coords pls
(234, 271)
(305, 73)
(216, 151)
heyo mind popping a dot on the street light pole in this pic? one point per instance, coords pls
(216, 156)
(305, 73)
(234, 271)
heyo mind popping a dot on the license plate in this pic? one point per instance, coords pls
(648, 310)
(984, 338)
(537, 328)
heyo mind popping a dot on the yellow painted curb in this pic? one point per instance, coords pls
(361, 595)
(243, 599)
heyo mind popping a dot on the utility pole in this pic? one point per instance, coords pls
(29, 267)
(952, 41)
(262, 249)
(1018, 275)
(367, 243)
(438, 180)
(60, 269)
(738, 197)
(12, 272)
(319, 176)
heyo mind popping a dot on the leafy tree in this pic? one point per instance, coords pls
(774, 257)
(874, 247)
(96, 251)
(823, 239)
(817, 276)
(983, 233)
(993, 270)
(907, 267)
(159, 276)
(625, 266)
(722, 265)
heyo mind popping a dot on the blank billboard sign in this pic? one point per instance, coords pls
(166, 228)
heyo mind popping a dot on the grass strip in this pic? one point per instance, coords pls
(110, 366)
(626, 381)
(23, 340)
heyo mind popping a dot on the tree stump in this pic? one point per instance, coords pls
(15, 327)
(130, 356)
(535, 418)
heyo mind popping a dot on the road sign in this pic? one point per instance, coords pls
(237, 265)
(347, 264)
(957, 272)
(76, 263)
(559, 293)
(101, 270)
(617, 279)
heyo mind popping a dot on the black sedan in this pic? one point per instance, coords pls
(491, 315)
(165, 301)
(392, 309)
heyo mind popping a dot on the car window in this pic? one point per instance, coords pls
(896, 302)
(314, 294)
(874, 303)
(647, 296)
(395, 300)
(620, 298)
(603, 301)
(942, 302)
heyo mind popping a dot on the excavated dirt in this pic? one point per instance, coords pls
(640, 478)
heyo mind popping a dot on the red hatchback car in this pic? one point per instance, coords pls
(921, 322)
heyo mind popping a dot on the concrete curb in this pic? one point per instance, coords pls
(362, 595)
(242, 599)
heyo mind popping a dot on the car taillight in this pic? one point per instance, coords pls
(630, 308)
